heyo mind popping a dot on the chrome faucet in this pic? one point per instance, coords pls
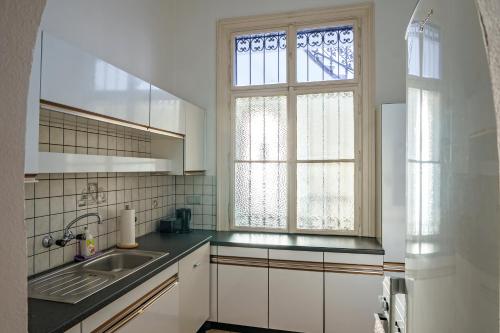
(48, 240)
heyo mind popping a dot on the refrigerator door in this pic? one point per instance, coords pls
(452, 173)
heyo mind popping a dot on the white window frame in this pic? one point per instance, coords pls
(361, 17)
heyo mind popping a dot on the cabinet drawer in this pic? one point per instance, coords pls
(247, 252)
(296, 255)
(353, 258)
(110, 310)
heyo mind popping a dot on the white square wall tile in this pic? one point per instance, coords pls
(42, 261)
(56, 205)
(41, 207)
(42, 189)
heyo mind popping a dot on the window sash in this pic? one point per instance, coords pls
(362, 18)
(292, 160)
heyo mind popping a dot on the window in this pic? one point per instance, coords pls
(295, 136)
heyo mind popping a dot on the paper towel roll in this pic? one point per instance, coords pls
(127, 228)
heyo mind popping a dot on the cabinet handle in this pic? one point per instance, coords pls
(196, 265)
(137, 308)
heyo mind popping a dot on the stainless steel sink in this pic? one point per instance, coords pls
(76, 282)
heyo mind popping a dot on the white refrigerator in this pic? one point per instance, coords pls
(452, 199)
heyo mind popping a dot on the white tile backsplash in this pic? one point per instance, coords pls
(57, 199)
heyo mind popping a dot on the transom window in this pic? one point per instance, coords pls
(293, 112)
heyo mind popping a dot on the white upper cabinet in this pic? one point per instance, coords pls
(77, 79)
(33, 111)
(194, 142)
(166, 112)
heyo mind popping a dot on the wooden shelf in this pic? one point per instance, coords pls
(61, 163)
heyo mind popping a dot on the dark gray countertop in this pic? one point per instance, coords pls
(47, 316)
(322, 243)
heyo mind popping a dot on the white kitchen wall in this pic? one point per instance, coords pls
(195, 76)
(161, 41)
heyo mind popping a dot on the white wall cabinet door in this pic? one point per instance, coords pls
(194, 279)
(77, 79)
(161, 315)
(243, 295)
(166, 113)
(194, 144)
(350, 302)
(33, 111)
(296, 300)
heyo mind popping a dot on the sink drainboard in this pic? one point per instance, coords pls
(76, 282)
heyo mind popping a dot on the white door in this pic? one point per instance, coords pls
(166, 113)
(243, 295)
(161, 316)
(194, 144)
(74, 78)
(350, 302)
(194, 279)
(296, 300)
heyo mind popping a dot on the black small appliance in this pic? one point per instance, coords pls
(167, 225)
(183, 216)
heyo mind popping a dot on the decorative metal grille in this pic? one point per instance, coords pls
(260, 59)
(322, 54)
(325, 54)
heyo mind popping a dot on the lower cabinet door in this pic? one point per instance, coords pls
(296, 300)
(350, 302)
(162, 315)
(213, 293)
(194, 279)
(242, 295)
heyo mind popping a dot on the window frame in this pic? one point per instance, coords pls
(361, 18)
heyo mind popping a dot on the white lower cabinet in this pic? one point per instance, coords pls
(242, 295)
(351, 299)
(162, 315)
(296, 300)
(242, 286)
(75, 329)
(296, 291)
(213, 287)
(194, 279)
(161, 308)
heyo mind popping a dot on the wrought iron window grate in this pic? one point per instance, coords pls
(323, 54)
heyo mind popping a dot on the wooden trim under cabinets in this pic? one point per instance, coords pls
(395, 267)
(354, 269)
(52, 106)
(239, 261)
(136, 308)
(299, 265)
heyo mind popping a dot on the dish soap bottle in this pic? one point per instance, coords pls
(87, 244)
